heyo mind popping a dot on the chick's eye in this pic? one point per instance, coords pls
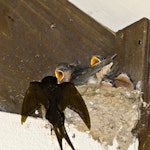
(65, 68)
(102, 58)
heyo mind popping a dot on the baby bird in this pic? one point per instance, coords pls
(123, 80)
(106, 74)
(79, 74)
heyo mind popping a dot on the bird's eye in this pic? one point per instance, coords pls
(101, 58)
(65, 68)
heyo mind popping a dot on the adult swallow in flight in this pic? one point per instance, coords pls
(79, 74)
(55, 98)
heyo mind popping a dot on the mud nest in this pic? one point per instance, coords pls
(114, 112)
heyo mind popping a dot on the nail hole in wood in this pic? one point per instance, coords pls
(140, 42)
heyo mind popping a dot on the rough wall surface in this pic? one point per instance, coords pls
(114, 113)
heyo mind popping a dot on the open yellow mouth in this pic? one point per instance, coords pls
(59, 75)
(94, 60)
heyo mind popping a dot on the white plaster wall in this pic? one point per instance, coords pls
(35, 134)
(115, 14)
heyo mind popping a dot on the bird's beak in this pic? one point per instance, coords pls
(23, 119)
(95, 60)
(59, 75)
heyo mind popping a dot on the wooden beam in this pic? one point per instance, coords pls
(132, 49)
(35, 36)
(132, 45)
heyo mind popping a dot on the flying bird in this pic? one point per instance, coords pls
(79, 74)
(55, 98)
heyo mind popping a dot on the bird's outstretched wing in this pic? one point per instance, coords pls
(71, 98)
(33, 99)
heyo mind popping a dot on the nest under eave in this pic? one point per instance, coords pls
(114, 112)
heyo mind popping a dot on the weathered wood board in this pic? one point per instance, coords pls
(36, 35)
(132, 46)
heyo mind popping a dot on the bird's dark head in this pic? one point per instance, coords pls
(63, 72)
(96, 59)
(49, 80)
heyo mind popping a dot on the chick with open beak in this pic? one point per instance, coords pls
(79, 74)
(109, 75)
(63, 72)
(105, 75)
(96, 59)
